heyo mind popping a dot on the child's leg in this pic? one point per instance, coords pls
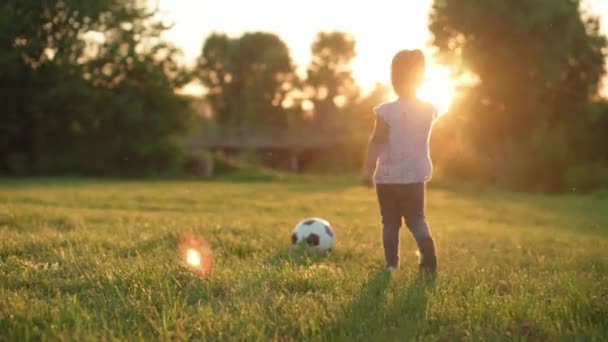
(414, 211)
(391, 222)
(416, 222)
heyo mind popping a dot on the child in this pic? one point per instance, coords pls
(399, 145)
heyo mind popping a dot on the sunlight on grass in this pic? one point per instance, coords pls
(97, 261)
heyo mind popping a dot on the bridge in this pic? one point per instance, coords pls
(290, 144)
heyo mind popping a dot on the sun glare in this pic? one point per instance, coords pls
(438, 88)
(373, 53)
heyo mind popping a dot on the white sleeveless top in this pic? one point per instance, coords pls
(405, 158)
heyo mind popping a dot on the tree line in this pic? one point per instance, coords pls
(532, 118)
(251, 80)
(88, 87)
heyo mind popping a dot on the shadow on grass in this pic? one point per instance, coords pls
(376, 315)
(366, 313)
(407, 317)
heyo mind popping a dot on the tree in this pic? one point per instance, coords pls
(538, 65)
(79, 104)
(216, 73)
(329, 81)
(535, 61)
(247, 78)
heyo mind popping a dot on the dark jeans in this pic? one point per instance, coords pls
(399, 201)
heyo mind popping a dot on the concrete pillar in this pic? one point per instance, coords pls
(293, 160)
(209, 164)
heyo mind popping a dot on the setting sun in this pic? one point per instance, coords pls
(408, 22)
(438, 88)
(380, 28)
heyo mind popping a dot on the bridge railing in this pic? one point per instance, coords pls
(265, 138)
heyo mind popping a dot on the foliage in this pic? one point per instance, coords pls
(586, 177)
(538, 67)
(89, 260)
(88, 87)
(329, 81)
(247, 78)
(347, 153)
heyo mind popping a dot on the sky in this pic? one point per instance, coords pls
(375, 26)
(380, 27)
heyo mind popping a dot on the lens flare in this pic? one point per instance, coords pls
(195, 254)
(193, 258)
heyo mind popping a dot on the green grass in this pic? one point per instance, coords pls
(91, 260)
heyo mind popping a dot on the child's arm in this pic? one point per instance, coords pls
(378, 138)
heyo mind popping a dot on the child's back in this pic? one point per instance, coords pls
(398, 158)
(404, 158)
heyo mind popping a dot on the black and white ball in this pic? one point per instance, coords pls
(315, 233)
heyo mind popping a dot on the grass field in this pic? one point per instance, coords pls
(91, 260)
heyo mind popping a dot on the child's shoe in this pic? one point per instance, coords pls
(428, 258)
(391, 269)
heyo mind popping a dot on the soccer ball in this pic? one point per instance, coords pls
(315, 233)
